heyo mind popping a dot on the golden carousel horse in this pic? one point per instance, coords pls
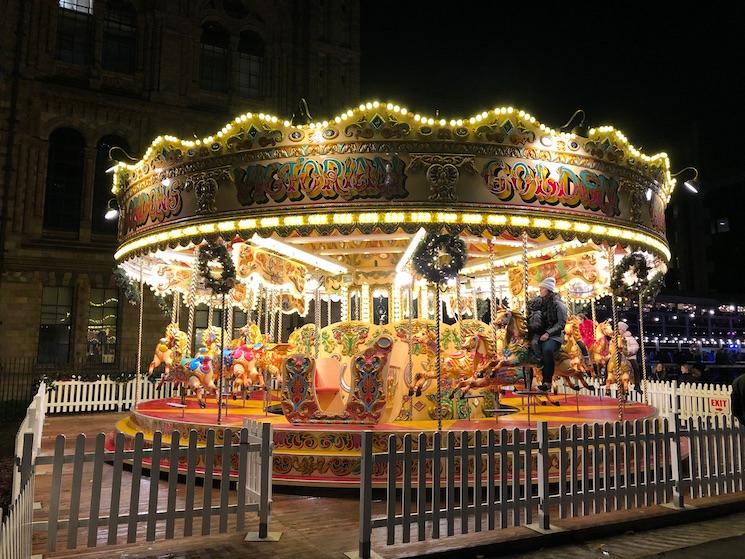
(170, 350)
(612, 368)
(517, 354)
(453, 364)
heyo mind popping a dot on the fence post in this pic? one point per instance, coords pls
(26, 465)
(366, 470)
(544, 463)
(266, 479)
(676, 463)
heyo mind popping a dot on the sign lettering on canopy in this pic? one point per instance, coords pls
(326, 178)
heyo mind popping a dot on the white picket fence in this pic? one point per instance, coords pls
(686, 399)
(16, 532)
(104, 394)
(247, 454)
(32, 423)
(499, 479)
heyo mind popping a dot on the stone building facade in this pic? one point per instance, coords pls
(85, 81)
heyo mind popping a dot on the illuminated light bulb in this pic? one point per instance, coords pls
(362, 107)
(404, 110)
(368, 105)
(452, 123)
(337, 120)
(389, 106)
(430, 121)
(376, 104)
(472, 120)
(649, 194)
(443, 122)
(459, 122)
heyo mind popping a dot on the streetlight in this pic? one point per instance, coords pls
(691, 184)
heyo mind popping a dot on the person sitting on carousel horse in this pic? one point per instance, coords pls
(535, 326)
(554, 313)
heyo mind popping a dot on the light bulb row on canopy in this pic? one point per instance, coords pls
(240, 122)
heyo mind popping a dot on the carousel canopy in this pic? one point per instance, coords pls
(353, 191)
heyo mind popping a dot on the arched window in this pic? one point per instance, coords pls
(75, 31)
(120, 37)
(64, 180)
(213, 58)
(250, 63)
(102, 184)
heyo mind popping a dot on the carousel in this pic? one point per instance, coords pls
(376, 272)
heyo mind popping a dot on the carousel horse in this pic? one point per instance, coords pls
(453, 364)
(572, 337)
(600, 346)
(170, 350)
(487, 369)
(243, 357)
(517, 354)
(612, 368)
(198, 374)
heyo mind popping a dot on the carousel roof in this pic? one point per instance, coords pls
(373, 175)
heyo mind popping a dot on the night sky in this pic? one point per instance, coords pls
(671, 80)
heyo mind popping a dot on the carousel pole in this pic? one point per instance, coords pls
(139, 341)
(438, 318)
(410, 327)
(280, 318)
(594, 315)
(328, 311)
(271, 299)
(192, 302)
(266, 312)
(645, 382)
(525, 275)
(222, 363)
(458, 307)
(616, 349)
(174, 308)
(493, 286)
(317, 319)
(529, 373)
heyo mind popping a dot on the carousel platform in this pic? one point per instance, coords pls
(329, 454)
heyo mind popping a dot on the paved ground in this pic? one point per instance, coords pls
(722, 538)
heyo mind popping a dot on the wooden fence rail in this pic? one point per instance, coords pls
(474, 481)
(73, 396)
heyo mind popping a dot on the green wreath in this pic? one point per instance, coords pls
(653, 288)
(440, 257)
(225, 281)
(130, 289)
(636, 263)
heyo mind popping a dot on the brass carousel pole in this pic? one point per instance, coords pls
(616, 350)
(222, 362)
(317, 319)
(438, 318)
(410, 326)
(645, 382)
(525, 275)
(192, 302)
(139, 341)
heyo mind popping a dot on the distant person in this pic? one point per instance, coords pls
(737, 399)
(659, 372)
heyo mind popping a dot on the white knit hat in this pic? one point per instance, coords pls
(549, 283)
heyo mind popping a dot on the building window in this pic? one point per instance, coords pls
(102, 315)
(64, 188)
(75, 31)
(55, 325)
(213, 58)
(102, 184)
(250, 64)
(240, 319)
(201, 320)
(120, 38)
